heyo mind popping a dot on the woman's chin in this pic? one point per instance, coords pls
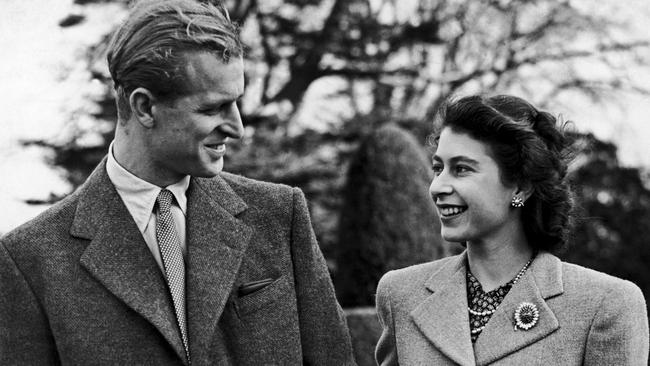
(453, 237)
(454, 234)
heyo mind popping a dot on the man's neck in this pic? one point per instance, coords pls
(136, 162)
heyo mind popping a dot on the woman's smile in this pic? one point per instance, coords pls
(448, 212)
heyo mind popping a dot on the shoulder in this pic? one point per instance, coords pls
(577, 276)
(48, 225)
(271, 203)
(254, 190)
(239, 181)
(400, 291)
(615, 313)
(604, 288)
(415, 276)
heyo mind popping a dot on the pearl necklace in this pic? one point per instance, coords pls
(490, 312)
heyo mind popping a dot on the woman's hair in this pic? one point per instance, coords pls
(148, 48)
(529, 147)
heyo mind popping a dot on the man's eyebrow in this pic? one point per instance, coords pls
(217, 103)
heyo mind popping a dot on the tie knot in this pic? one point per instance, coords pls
(164, 200)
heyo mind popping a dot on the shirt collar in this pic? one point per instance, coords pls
(138, 195)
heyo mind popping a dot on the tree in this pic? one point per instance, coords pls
(408, 58)
(378, 62)
(388, 220)
(612, 232)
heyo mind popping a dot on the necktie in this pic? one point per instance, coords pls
(172, 256)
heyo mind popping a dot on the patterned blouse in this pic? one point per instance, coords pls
(483, 302)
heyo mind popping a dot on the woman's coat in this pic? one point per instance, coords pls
(585, 317)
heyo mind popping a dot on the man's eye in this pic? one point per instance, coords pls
(211, 111)
(214, 110)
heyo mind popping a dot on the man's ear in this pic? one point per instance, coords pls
(141, 101)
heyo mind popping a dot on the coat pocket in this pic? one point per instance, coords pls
(263, 297)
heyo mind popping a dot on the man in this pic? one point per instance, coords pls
(159, 258)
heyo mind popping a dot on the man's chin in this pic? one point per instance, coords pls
(210, 171)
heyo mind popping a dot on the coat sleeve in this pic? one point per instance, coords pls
(619, 332)
(323, 329)
(25, 336)
(386, 351)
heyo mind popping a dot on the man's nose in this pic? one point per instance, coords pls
(233, 125)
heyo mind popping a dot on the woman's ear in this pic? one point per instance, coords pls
(141, 101)
(524, 190)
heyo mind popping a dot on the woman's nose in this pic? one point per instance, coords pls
(440, 185)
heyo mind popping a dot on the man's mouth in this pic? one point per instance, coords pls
(450, 211)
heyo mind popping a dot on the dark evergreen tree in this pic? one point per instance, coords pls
(388, 220)
(613, 228)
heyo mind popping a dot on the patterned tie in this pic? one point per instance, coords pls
(172, 256)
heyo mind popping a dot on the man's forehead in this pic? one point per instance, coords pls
(209, 74)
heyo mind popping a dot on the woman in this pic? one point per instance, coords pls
(500, 188)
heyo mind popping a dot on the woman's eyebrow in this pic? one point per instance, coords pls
(464, 159)
(458, 159)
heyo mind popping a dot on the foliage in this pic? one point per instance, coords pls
(369, 62)
(394, 63)
(388, 220)
(613, 231)
(365, 331)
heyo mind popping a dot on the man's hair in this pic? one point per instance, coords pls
(148, 49)
(529, 146)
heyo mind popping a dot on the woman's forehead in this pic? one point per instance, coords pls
(453, 143)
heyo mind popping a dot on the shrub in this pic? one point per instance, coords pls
(388, 220)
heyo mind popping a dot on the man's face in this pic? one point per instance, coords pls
(191, 131)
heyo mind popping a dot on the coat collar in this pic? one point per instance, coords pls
(542, 281)
(444, 320)
(442, 316)
(118, 257)
(217, 240)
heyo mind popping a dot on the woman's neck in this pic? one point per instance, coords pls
(495, 263)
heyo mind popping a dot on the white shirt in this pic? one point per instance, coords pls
(139, 196)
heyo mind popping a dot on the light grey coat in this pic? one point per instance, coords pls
(585, 318)
(78, 285)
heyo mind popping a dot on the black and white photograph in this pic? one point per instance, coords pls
(324, 182)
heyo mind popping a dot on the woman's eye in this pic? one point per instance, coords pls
(460, 169)
(437, 168)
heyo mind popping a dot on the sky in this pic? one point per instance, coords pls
(35, 97)
(37, 53)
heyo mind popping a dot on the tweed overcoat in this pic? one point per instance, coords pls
(585, 318)
(79, 285)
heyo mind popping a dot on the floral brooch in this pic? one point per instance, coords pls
(526, 316)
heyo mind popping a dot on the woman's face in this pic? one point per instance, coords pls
(473, 203)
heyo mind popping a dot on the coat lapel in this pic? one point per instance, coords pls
(216, 241)
(442, 317)
(118, 257)
(499, 338)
